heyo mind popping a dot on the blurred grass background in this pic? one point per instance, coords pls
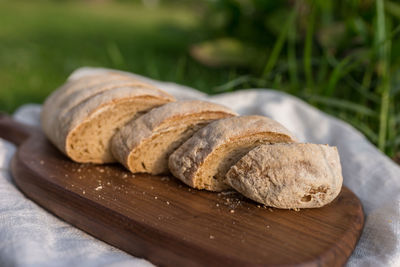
(341, 56)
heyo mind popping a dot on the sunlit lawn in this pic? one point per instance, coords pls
(42, 42)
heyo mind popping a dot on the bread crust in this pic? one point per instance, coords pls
(192, 158)
(288, 176)
(181, 115)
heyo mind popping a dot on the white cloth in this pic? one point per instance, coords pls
(29, 236)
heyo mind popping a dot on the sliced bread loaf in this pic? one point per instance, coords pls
(288, 175)
(203, 160)
(144, 145)
(84, 126)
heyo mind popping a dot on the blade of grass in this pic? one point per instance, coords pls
(336, 74)
(366, 81)
(323, 68)
(342, 104)
(362, 90)
(291, 51)
(230, 85)
(342, 69)
(180, 68)
(392, 133)
(277, 81)
(383, 62)
(308, 49)
(273, 57)
(115, 55)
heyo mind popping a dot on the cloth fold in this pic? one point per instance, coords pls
(30, 236)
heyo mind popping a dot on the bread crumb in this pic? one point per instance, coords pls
(98, 188)
(232, 211)
(217, 205)
(212, 237)
(101, 170)
(79, 170)
(270, 209)
(108, 183)
(167, 202)
(267, 226)
(83, 192)
(155, 197)
(125, 175)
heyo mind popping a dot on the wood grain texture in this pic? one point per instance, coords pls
(170, 224)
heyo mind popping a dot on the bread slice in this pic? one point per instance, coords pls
(288, 176)
(83, 128)
(62, 100)
(203, 160)
(144, 145)
(56, 98)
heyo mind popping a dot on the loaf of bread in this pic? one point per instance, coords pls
(288, 176)
(144, 145)
(203, 160)
(112, 116)
(82, 116)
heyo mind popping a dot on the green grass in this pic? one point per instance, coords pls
(42, 42)
(341, 56)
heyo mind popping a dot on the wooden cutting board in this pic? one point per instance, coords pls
(170, 224)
